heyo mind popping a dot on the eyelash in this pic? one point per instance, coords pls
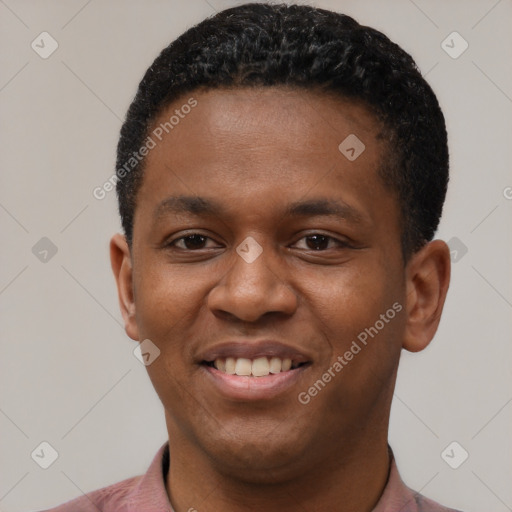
(339, 243)
(172, 243)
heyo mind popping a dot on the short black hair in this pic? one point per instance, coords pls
(262, 45)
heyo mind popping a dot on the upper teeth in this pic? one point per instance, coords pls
(259, 367)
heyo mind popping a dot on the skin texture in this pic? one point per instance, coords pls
(255, 152)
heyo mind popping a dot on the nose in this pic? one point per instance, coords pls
(248, 291)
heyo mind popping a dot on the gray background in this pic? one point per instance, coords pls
(67, 372)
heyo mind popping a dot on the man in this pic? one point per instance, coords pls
(281, 175)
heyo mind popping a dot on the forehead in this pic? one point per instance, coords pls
(295, 116)
(268, 127)
(253, 146)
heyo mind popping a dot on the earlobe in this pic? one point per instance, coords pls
(428, 278)
(120, 260)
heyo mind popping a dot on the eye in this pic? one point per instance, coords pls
(194, 241)
(319, 242)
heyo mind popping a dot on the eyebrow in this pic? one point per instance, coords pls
(201, 206)
(194, 205)
(326, 208)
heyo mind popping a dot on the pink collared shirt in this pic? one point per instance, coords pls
(147, 493)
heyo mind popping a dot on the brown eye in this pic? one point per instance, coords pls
(320, 242)
(191, 242)
(317, 242)
(195, 241)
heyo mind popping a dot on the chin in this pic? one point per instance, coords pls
(258, 465)
(257, 457)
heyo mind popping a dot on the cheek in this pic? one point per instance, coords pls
(169, 303)
(346, 300)
(360, 315)
(168, 311)
(361, 318)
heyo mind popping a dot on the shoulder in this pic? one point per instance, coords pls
(144, 492)
(106, 499)
(424, 504)
(397, 496)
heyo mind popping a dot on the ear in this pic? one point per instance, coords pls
(120, 259)
(428, 278)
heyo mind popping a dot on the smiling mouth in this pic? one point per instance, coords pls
(258, 367)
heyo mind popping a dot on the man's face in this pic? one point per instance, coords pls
(260, 169)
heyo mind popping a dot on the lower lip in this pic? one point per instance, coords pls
(244, 388)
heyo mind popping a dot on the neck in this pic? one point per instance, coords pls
(349, 477)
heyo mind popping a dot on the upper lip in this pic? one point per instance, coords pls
(252, 350)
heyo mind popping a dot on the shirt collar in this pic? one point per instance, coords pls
(150, 494)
